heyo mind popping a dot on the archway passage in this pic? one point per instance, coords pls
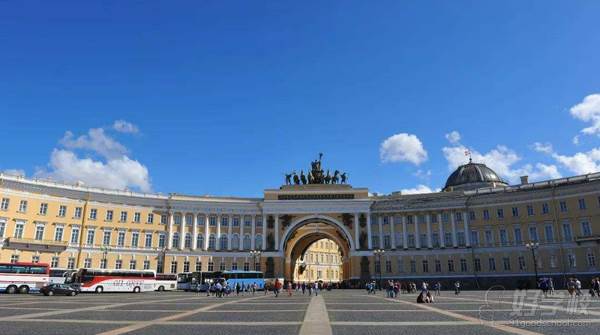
(321, 261)
(308, 233)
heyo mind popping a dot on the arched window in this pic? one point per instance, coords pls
(212, 242)
(200, 241)
(235, 241)
(188, 240)
(175, 240)
(223, 243)
(189, 220)
(258, 242)
(247, 242)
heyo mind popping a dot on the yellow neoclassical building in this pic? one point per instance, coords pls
(478, 229)
(322, 261)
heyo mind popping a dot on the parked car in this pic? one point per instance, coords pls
(60, 289)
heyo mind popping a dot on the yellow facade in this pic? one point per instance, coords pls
(322, 262)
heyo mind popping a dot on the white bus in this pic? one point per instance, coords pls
(111, 280)
(23, 277)
(60, 275)
(165, 282)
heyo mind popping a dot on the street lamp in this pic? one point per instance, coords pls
(254, 254)
(105, 250)
(379, 253)
(533, 246)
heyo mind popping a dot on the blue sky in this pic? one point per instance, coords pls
(226, 96)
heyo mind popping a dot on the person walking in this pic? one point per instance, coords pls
(578, 287)
(457, 288)
(303, 288)
(438, 288)
(289, 289)
(317, 288)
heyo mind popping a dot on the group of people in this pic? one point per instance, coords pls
(393, 288)
(221, 288)
(304, 288)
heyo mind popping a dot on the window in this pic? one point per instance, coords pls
(388, 266)
(186, 266)
(236, 221)
(515, 211)
(160, 266)
(472, 215)
(222, 267)
(161, 240)
(148, 240)
(103, 263)
(460, 236)
(187, 241)
(563, 206)
(77, 213)
(137, 217)
(23, 206)
(413, 266)
(163, 219)
(533, 234)
(435, 240)
(118, 264)
(19, 228)
(175, 240)
(212, 241)
(434, 219)
(530, 210)
(450, 265)
(582, 204)
(489, 238)
(247, 221)
(506, 263)
(503, 237)
(199, 266)
(586, 230)
(43, 208)
(75, 235)
(200, 241)
(123, 216)
(567, 231)
(591, 259)
(553, 263)
(14, 258)
(522, 265)
(549, 233)
(411, 240)
(62, 210)
(458, 216)
(438, 266)
(212, 221)
(448, 239)
(109, 215)
(572, 260)
(247, 242)
(224, 221)
(386, 242)
(400, 265)
(35, 259)
(500, 213)
(486, 214)
(106, 238)
(87, 263)
(146, 265)
(474, 238)
(235, 241)
(477, 264)
(5, 203)
(39, 232)
(492, 264)
(545, 208)
(246, 266)
(518, 236)
(223, 242)
(423, 240)
(93, 214)
(425, 266)
(150, 218)
(54, 262)
(121, 239)
(132, 264)
(71, 263)
(90, 237)
(135, 238)
(463, 265)
(211, 266)
(258, 242)
(2, 228)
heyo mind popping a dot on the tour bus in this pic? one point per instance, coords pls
(23, 277)
(114, 280)
(165, 282)
(60, 275)
(189, 281)
(245, 278)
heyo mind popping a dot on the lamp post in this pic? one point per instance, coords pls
(105, 250)
(533, 246)
(379, 253)
(254, 254)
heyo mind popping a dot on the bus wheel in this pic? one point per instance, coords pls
(24, 289)
(136, 289)
(99, 289)
(11, 289)
(161, 288)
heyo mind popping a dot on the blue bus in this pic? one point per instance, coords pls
(246, 278)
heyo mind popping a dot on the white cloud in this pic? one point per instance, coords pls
(581, 162)
(576, 139)
(97, 141)
(123, 126)
(422, 174)
(503, 161)
(402, 148)
(119, 173)
(14, 172)
(588, 111)
(419, 189)
(545, 148)
(453, 137)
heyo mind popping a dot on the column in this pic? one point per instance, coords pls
(229, 230)
(467, 230)
(453, 223)
(392, 231)
(380, 223)
(206, 230)
(417, 232)
(242, 219)
(170, 230)
(404, 232)
(356, 232)
(428, 221)
(276, 232)
(369, 235)
(218, 237)
(441, 231)
(264, 233)
(253, 236)
(182, 232)
(195, 232)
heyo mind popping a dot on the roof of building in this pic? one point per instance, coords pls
(472, 176)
